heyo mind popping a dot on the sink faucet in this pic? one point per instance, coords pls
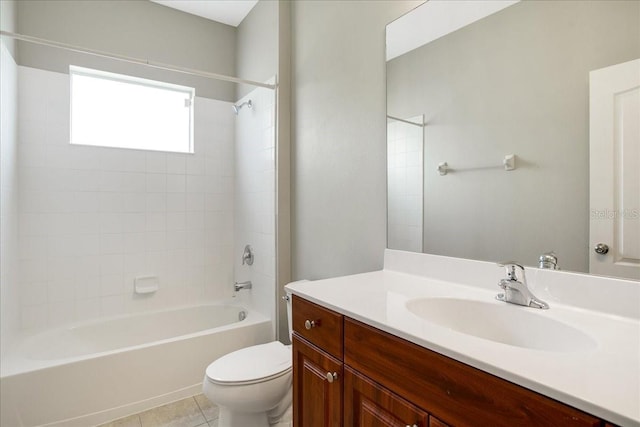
(242, 285)
(516, 291)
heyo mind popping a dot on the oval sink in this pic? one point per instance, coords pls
(504, 323)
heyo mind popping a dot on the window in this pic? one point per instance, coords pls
(114, 110)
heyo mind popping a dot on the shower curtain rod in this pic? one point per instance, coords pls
(405, 121)
(159, 65)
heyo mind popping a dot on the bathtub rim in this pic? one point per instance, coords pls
(14, 363)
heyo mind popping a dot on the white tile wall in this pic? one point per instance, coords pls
(405, 154)
(91, 219)
(9, 310)
(255, 199)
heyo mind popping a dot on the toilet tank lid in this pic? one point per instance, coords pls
(251, 364)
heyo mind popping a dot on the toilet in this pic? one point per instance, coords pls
(252, 386)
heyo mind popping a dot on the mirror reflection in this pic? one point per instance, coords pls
(490, 132)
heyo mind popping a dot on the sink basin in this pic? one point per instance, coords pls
(501, 322)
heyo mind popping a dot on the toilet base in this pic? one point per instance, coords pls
(229, 418)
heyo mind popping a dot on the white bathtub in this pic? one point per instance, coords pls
(91, 373)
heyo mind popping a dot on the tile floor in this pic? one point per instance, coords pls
(194, 411)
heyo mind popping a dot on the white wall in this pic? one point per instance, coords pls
(92, 219)
(255, 200)
(339, 134)
(9, 309)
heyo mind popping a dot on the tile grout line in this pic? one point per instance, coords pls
(201, 411)
(199, 408)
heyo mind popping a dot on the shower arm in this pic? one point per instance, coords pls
(236, 108)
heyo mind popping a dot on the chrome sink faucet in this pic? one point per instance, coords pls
(516, 291)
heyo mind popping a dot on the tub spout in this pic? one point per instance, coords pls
(242, 285)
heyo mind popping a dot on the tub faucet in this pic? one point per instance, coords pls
(516, 291)
(242, 285)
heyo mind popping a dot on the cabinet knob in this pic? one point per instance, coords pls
(601, 249)
(415, 425)
(332, 376)
(309, 324)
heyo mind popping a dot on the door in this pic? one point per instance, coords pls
(317, 387)
(614, 234)
(368, 404)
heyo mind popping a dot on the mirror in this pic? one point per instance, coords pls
(497, 98)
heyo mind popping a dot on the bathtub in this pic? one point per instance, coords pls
(91, 373)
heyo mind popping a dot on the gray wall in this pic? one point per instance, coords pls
(516, 82)
(339, 135)
(257, 45)
(283, 166)
(140, 29)
(8, 22)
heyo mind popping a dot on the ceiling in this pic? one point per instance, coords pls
(434, 19)
(230, 12)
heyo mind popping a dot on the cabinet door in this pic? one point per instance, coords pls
(317, 386)
(368, 404)
(434, 422)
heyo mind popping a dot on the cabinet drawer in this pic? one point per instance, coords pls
(318, 325)
(455, 393)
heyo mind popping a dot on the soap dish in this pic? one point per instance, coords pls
(146, 284)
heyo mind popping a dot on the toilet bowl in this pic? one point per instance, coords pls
(252, 386)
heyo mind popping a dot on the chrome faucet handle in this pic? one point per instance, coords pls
(247, 255)
(510, 268)
(516, 291)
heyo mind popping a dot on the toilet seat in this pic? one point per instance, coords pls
(255, 364)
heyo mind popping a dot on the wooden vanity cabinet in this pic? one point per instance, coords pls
(317, 365)
(455, 393)
(348, 373)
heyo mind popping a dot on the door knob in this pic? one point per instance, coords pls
(601, 248)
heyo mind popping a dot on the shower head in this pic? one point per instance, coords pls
(236, 108)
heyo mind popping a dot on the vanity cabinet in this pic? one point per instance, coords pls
(455, 393)
(349, 373)
(317, 365)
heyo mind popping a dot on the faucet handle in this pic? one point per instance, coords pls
(510, 268)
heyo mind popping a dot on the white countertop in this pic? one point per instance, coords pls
(603, 381)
